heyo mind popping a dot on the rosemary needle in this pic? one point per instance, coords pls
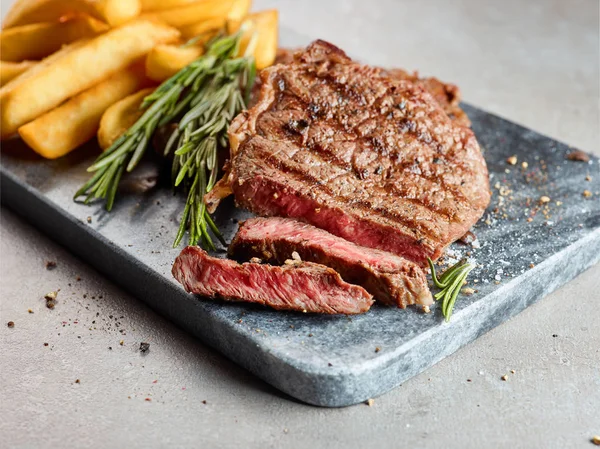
(450, 284)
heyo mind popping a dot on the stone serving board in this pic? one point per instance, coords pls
(332, 360)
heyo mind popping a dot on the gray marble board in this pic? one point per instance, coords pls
(332, 360)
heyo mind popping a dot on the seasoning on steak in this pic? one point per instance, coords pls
(368, 158)
(391, 279)
(304, 287)
(446, 94)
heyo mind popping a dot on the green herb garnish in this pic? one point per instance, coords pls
(203, 97)
(450, 283)
(201, 133)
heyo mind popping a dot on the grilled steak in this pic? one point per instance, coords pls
(391, 279)
(304, 287)
(368, 158)
(446, 94)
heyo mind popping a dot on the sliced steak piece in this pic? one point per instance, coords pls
(368, 158)
(304, 287)
(393, 280)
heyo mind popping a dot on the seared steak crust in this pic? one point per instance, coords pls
(446, 94)
(368, 158)
(393, 280)
(304, 287)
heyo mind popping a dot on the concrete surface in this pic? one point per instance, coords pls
(535, 62)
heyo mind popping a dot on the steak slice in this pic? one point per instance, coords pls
(391, 279)
(304, 287)
(368, 158)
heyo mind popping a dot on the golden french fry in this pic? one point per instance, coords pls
(121, 116)
(78, 70)
(113, 12)
(73, 123)
(261, 32)
(239, 10)
(38, 67)
(156, 5)
(164, 61)
(38, 40)
(209, 27)
(11, 70)
(117, 12)
(193, 13)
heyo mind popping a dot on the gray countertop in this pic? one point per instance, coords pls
(534, 62)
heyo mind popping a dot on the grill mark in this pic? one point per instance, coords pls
(331, 157)
(458, 165)
(449, 216)
(458, 195)
(327, 156)
(424, 227)
(432, 142)
(460, 201)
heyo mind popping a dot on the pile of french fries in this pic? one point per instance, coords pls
(74, 69)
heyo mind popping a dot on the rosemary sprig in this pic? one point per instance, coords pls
(196, 142)
(205, 96)
(450, 283)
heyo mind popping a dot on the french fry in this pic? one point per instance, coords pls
(164, 61)
(78, 70)
(121, 116)
(73, 123)
(193, 13)
(205, 27)
(239, 10)
(11, 70)
(38, 67)
(156, 5)
(113, 12)
(117, 12)
(38, 40)
(262, 27)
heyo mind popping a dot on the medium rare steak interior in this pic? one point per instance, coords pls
(369, 158)
(304, 287)
(393, 280)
